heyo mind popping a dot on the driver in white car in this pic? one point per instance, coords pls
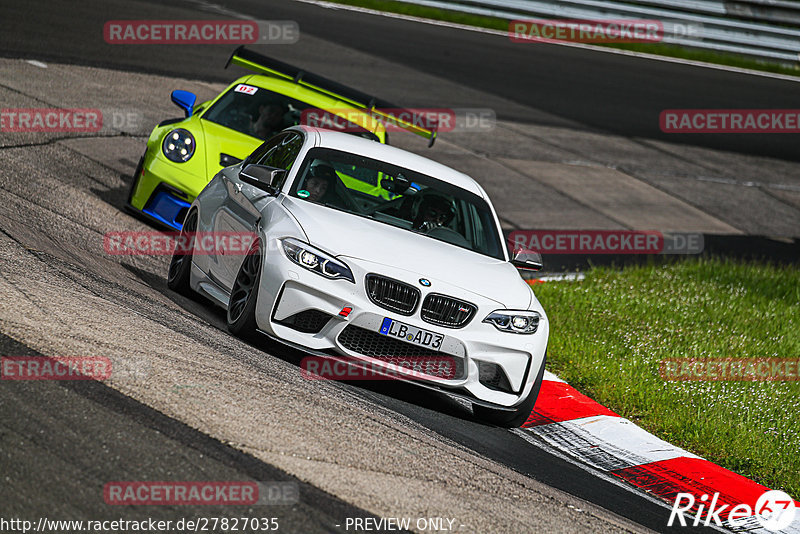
(434, 211)
(321, 185)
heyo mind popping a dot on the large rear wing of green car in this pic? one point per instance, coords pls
(272, 67)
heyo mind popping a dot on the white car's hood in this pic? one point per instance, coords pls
(343, 234)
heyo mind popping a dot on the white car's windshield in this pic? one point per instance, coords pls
(400, 197)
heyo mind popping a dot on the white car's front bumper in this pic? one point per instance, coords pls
(287, 290)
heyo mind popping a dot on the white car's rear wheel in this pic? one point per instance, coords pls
(241, 317)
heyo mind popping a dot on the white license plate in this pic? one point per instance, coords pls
(411, 334)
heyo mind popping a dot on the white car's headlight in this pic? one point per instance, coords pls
(178, 145)
(315, 260)
(514, 321)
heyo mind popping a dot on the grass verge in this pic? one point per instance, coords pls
(610, 332)
(495, 23)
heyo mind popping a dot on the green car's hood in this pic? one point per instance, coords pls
(219, 139)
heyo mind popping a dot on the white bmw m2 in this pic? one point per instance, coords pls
(375, 255)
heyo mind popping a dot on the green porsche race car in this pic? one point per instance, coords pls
(182, 155)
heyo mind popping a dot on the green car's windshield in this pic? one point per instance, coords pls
(260, 113)
(400, 197)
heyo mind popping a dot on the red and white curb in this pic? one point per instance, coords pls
(567, 421)
(558, 277)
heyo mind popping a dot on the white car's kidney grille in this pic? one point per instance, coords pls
(392, 294)
(447, 311)
(374, 345)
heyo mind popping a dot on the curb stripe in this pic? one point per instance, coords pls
(565, 277)
(697, 476)
(558, 401)
(606, 442)
(589, 432)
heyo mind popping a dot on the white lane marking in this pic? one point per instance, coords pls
(36, 63)
(731, 181)
(222, 10)
(607, 442)
(642, 55)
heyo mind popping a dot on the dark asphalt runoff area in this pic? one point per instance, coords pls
(63, 441)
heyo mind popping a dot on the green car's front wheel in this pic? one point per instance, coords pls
(136, 174)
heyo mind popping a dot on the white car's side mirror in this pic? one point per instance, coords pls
(527, 259)
(263, 177)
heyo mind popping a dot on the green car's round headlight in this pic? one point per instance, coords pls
(178, 145)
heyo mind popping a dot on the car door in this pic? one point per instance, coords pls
(246, 203)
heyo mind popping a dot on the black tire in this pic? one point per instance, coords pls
(241, 316)
(136, 174)
(515, 418)
(181, 263)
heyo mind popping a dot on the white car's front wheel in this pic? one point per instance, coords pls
(181, 263)
(516, 417)
(241, 316)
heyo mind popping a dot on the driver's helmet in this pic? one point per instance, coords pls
(434, 210)
(324, 171)
(274, 103)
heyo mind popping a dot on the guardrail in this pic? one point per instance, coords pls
(765, 10)
(703, 24)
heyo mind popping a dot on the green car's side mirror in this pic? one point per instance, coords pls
(184, 100)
